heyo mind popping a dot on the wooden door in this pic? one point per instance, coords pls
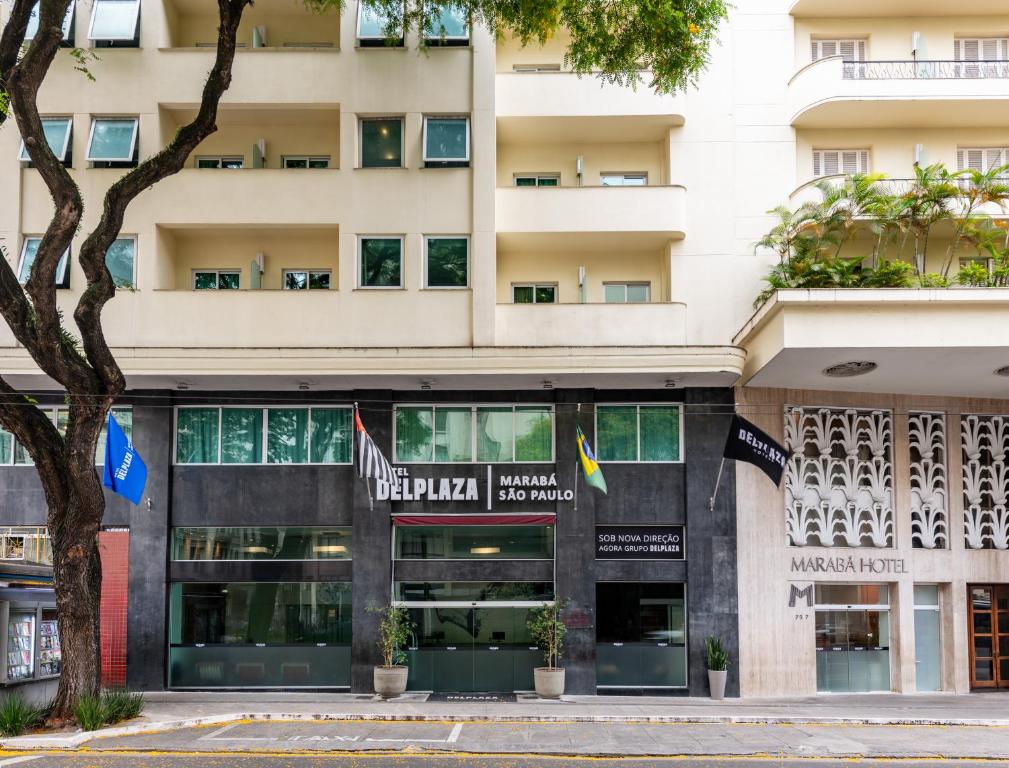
(989, 635)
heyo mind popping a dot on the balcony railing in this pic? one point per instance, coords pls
(914, 69)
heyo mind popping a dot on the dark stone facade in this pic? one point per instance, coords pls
(331, 495)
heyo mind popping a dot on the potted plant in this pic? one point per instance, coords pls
(547, 630)
(718, 666)
(394, 629)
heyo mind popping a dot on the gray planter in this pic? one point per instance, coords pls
(549, 682)
(390, 682)
(716, 684)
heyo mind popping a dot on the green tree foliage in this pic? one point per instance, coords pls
(664, 43)
(891, 227)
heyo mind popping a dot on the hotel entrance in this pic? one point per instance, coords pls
(989, 635)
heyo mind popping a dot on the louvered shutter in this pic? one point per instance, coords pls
(849, 50)
(831, 162)
(817, 165)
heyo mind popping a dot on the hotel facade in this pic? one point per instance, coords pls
(486, 252)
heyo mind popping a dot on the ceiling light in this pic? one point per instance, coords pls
(329, 549)
(1003, 371)
(256, 550)
(850, 368)
(547, 384)
(303, 386)
(485, 550)
(670, 383)
(425, 384)
(182, 385)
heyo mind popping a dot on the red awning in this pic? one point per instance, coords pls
(474, 519)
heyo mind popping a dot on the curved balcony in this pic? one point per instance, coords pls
(646, 216)
(811, 9)
(537, 106)
(596, 325)
(832, 93)
(924, 341)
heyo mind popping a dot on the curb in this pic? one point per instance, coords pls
(76, 740)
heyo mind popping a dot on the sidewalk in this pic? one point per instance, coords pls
(974, 725)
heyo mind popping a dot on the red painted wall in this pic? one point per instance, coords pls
(114, 547)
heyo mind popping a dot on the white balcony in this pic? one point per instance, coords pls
(595, 325)
(536, 106)
(831, 93)
(925, 342)
(646, 216)
(895, 8)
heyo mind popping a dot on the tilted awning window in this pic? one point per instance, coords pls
(113, 139)
(57, 131)
(114, 20)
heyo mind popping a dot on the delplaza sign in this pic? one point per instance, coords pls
(508, 488)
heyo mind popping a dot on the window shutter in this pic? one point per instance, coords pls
(816, 164)
(975, 159)
(959, 160)
(970, 50)
(831, 162)
(860, 51)
(993, 158)
(847, 48)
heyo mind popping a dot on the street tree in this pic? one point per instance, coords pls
(658, 44)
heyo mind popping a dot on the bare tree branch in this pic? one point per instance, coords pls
(11, 40)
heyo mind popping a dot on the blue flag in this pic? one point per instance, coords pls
(125, 471)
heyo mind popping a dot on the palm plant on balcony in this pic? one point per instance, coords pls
(900, 221)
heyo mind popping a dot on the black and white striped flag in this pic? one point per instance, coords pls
(370, 461)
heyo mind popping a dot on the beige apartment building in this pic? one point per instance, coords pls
(470, 227)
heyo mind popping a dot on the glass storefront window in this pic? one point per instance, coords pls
(11, 451)
(284, 543)
(641, 635)
(464, 434)
(852, 594)
(638, 433)
(474, 542)
(474, 591)
(317, 435)
(240, 634)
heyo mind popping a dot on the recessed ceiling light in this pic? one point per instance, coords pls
(850, 368)
(485, 550)
(1003, 371)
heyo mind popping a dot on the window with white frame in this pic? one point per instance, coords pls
(220, 161)
(833, 162)
(307, 279)
(13, 452)
(216, 279)
(113, 142)
(981, 49)
(534, 293)
(627, 293)
(306, 161)
(623, 179)
(525, 68)
(382, 142)
(121, 260)
(263, 435)
(448, 25)
(29, 249)
(446, 260)
(465, 434)
(852, 49)
(373, 29)
(59, 133)
(639, 433)
(68, 25)
(982, 159)
(380, 262)
(115, 24)
(537, 179)
(446, 142)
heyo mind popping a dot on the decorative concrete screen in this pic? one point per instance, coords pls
(929, 493)
(839, 479)
(985, 443)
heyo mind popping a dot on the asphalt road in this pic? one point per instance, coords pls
(336, 760)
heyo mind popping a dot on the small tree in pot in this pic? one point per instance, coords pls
(547, 630)
(394, 630)
(718, 666)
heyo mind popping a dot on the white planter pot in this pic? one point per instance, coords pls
(390, 681)
(716, 684)
(549, 682)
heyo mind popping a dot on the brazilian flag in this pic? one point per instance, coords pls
(593, 474)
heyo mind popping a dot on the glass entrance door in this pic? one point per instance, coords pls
(852, 638)
(989, 635)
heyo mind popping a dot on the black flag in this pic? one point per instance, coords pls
(748, 443)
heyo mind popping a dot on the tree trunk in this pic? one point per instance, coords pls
(76, 507)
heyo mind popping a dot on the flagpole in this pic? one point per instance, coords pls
(718, 480)
(578, 411)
